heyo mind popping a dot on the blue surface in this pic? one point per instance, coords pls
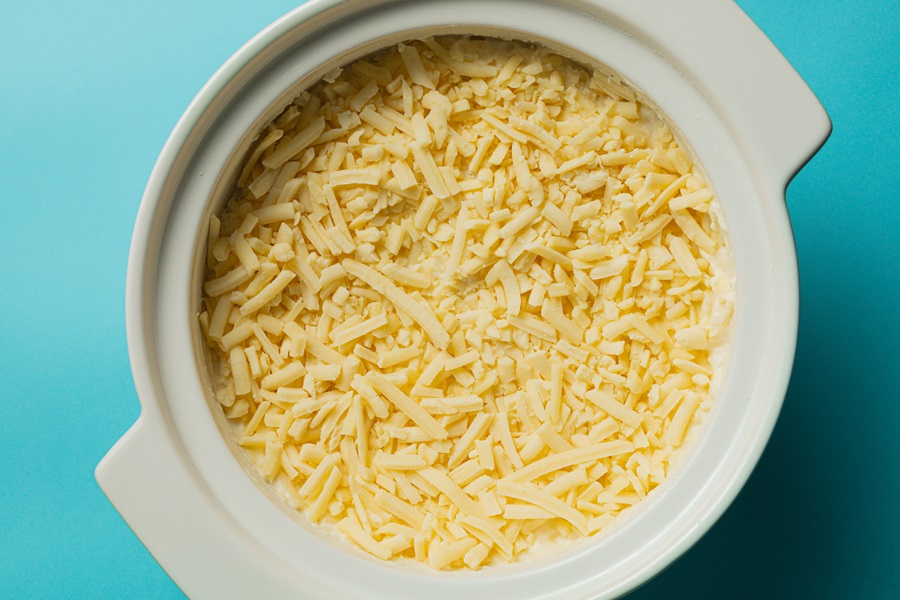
(88, 95)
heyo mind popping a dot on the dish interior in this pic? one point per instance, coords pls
(724, 280)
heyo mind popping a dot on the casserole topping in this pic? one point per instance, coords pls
(465, 297)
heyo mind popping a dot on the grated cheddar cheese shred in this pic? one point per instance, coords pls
(465, 299)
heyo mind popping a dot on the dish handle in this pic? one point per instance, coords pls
(186, 530)
(772, 111)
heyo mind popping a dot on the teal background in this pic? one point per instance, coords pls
(89, 91)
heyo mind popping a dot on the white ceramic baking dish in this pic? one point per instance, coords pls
(748, 117)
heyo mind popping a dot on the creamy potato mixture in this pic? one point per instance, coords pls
(464, 298)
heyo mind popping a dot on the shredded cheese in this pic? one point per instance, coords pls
(465, 294)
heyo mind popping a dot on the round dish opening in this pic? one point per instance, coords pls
(225, 183)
